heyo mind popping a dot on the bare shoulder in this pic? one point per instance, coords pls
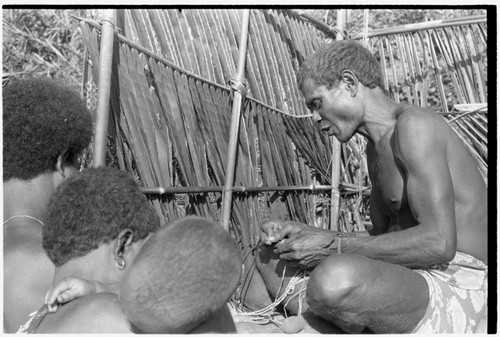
(415, 120)
(26, 270)
(20, 235)
(24, 255)
(102, 314)
(96, 313)
(418, 132)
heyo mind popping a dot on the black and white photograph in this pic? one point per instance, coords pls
(248, 169)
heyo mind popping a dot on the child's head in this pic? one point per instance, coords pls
(183, 274)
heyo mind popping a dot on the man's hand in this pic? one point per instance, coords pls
(275, 231)
(307, 247)
(302, 245)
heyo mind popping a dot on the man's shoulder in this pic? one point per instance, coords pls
(96, 313)
(415, 124)
(418, 117)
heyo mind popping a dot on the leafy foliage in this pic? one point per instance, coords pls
(48, 42)
(42, 43)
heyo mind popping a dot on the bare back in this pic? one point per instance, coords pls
(419, 154)
(101, 313)
(28, 272)
(95, 313)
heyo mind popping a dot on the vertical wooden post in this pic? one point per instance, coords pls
(105, 64)
(336, 148)
(239, 93)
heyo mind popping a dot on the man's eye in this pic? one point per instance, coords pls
(314, 105)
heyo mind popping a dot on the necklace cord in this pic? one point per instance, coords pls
(24, 216)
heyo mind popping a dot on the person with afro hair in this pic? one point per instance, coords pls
(46, 127)
(98, 220)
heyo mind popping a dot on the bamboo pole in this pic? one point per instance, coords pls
(347, 188)
(414, 27)
(105, 64)
(336, 148)
(331, 32)
(239, 93)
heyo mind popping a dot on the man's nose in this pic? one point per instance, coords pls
(316, 117)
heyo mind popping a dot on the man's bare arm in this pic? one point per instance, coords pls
(420, 148)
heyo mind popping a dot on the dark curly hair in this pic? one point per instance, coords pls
(183, 274)
(326, 65)
(91, 208)
(42, 119)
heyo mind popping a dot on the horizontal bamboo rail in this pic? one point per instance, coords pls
(332, 32)
(346, 188)
(422, 25)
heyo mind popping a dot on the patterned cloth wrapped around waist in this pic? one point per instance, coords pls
(464, 271)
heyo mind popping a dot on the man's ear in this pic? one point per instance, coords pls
(351, 82)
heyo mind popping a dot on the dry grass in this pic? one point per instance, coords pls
(42, 43)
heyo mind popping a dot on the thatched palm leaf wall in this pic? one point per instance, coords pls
(172, 125)
(205, 42)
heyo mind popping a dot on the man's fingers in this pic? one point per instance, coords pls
(291, 258)
(268, 239)
(287, 230)
(282, 247)
(270, 232)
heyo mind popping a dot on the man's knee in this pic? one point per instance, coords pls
(335, 281)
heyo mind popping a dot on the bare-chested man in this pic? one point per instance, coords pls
(424, 267)
(46, 126)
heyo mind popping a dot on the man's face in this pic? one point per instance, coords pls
(335, 109)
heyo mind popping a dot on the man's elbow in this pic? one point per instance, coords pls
(444, 249)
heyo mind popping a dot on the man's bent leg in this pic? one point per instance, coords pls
(354, 292)
(277, 275)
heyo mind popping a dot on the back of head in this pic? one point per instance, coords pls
(326, 65)
(42, 120)
(183, 274)
(92, 207)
